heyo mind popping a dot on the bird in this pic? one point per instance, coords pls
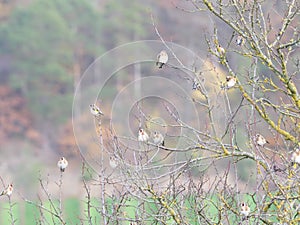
(143, 136)
(113, 162)
(8, 191)
(245, 209)
(62, 164)
(240, 40)
(221, 50)
(296, 156)
(260, 140)
(230, 82)
(162, 59)
(95, 110)
(196, 84)
(158, 138)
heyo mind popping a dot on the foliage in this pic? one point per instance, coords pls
(40, 41)
(15, 116)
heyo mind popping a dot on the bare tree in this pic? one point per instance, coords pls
(240, 166)
(260, 106)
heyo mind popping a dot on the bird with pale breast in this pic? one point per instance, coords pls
(162, 59)
(196, 84)
(142, 135)
(95, 110)
(113, 162)
(62, 164)
(240, 40)
(221, 50)
(245, 209)
(8, 191)
(158, 138)
(260, 140)
(296, 156)
(230, 82)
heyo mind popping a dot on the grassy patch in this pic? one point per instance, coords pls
(72, 211)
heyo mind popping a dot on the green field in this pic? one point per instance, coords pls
(74, 212)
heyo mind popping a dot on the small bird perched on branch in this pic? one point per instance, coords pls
(162, 59)
(245, 209)
(260, 140)
(196, 84)
(8, 191)
(296, 156)
(240, 40)
(95, 110)
(230, 82)
(62, 164)
(221, 50)
(158, 138)
(113, 162)
(143, 136)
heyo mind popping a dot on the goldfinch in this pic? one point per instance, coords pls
(162, 59)
(196, 84)
(62, 164)
(143, 136)
(296, 156)
(221, 50)
(245, 209)
(113, 162)
(158, 138)
(240, 40)
(260, 140)
(230, 82)
(8, 191)
(95, 110)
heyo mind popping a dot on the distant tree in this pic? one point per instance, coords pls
(37, 41)
(42, 43)
(126, 22)
(15, 117)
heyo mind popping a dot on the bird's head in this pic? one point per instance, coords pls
(243, 204)
(258, 136)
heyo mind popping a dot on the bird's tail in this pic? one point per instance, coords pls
(159, 64)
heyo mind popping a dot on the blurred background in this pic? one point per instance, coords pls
(45, 48)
